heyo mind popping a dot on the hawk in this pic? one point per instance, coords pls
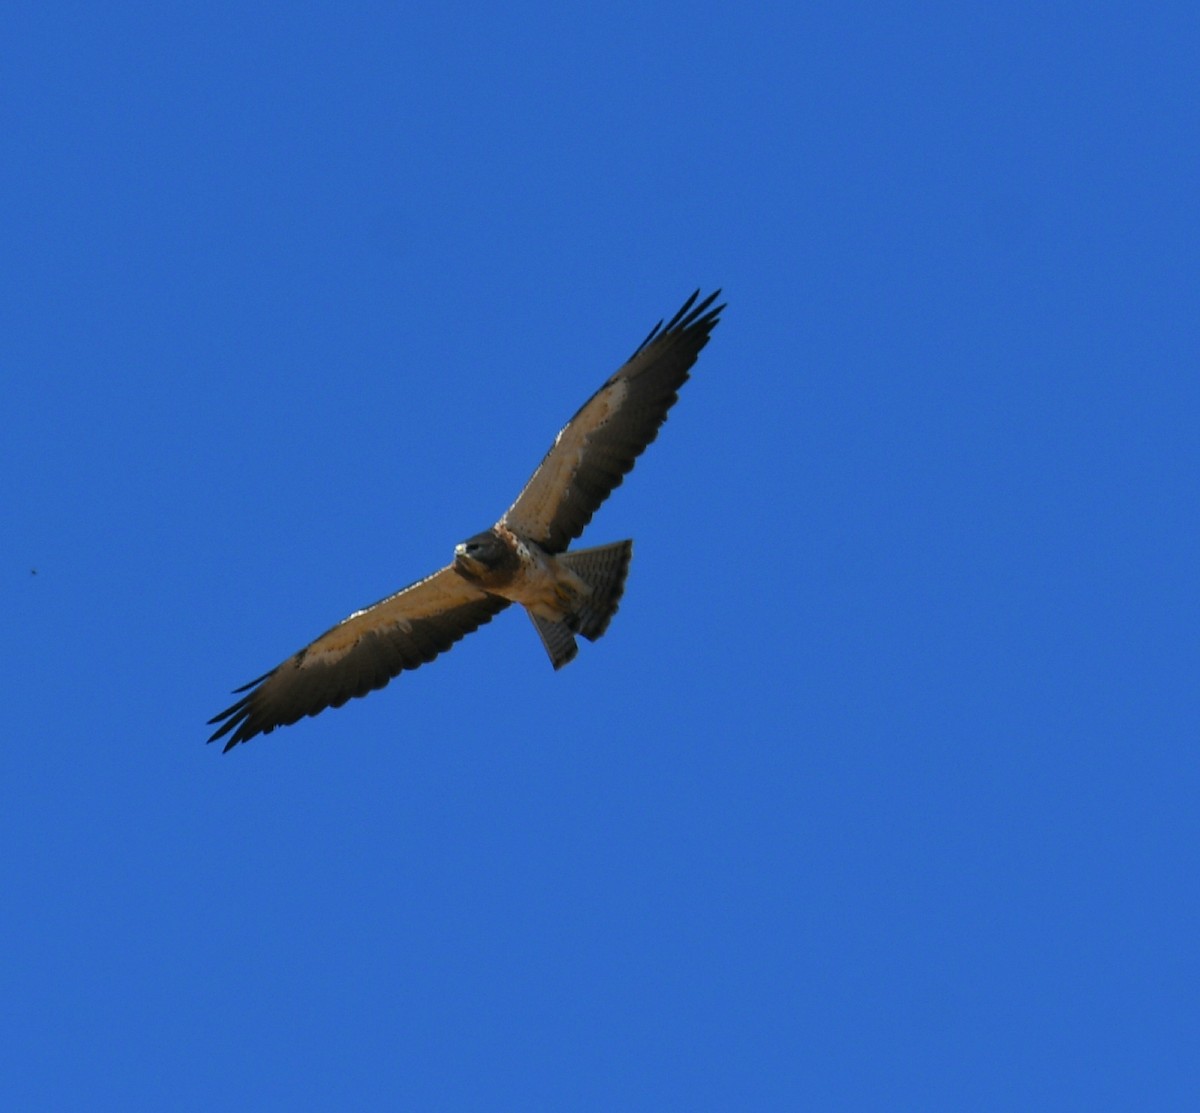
(524, 558)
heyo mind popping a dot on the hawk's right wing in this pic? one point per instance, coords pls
(360, 654)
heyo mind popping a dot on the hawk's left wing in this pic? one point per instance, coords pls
(360, 654)
(599, 445)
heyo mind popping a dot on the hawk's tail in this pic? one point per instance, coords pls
(603, 569)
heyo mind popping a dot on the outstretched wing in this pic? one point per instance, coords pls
(360, 654)
(598, 446)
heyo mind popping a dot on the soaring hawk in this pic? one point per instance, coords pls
(522, 559)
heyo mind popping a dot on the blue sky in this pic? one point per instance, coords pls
(879, 793)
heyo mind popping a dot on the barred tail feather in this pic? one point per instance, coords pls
(557, 638)
(603, 569)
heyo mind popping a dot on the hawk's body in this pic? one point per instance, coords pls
(522, 559)
(506, 564)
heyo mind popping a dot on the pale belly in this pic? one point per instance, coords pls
(542, 585)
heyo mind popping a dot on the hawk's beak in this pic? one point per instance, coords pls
(465, 565)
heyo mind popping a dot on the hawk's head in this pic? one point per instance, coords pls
(483, 556)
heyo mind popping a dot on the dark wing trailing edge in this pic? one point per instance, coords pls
(598, 446)
(360, 654)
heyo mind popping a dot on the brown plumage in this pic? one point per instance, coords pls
(521, 559)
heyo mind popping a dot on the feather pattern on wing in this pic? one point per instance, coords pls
(598, 446)
(360, 654)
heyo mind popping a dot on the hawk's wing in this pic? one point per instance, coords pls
(598, 446)
(361, 654)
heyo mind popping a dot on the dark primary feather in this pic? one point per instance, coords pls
(598, 446)
(361, 654)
